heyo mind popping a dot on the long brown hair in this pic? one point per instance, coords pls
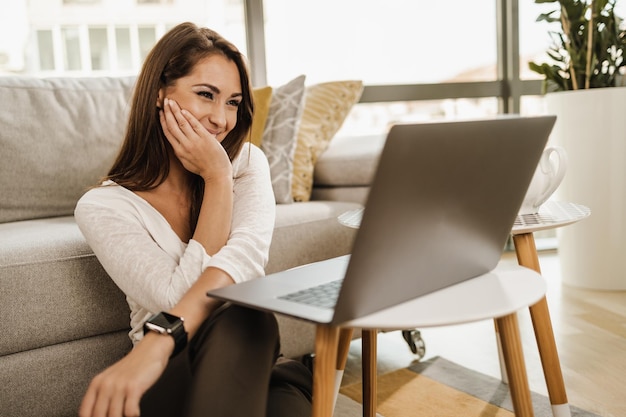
(143, 161)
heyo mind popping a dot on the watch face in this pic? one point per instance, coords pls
(169, 319)
(164, 323)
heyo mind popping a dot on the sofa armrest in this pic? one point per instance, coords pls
(345, 170)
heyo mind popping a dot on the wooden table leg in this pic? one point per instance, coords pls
(503, 374)
(369, 344)
(542, 324)
(326, 339)
(515, 367)
(345, 337)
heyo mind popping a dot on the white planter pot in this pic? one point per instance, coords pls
(591, 126)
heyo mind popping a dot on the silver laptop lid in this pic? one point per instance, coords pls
(440, 209)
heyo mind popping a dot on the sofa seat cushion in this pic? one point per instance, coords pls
(349, 161)
(356, 194)
(307, 232)
(51, 381)
(53, 287)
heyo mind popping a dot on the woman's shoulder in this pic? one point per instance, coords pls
(250, 157)
(106, 191)
(109, 197)
(253, 152)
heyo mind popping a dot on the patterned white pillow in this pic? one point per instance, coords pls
(280, 134)
(325, 108)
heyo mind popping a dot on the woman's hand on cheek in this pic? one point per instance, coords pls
(197, 149)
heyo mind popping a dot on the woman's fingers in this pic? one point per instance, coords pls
(198, 149)
(178, 123)
(131, 406)
(88, 403)
(100, 399)
(117, 391)
(116, 404)
(182, 124)
(168, 134)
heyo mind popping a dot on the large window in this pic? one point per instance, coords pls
(390, 42)
(99, 49)
(396, 42)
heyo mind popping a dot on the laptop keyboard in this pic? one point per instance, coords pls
(323, 295)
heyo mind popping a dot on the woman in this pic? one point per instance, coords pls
(188, 207)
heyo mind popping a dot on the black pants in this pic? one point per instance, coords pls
(231, 367)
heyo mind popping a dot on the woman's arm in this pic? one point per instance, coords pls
(201, 153)
(254, 211)
(117, 391)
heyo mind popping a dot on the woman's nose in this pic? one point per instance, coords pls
(217, 116)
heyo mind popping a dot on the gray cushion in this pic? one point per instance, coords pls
(53, 287)
(51, 381)
(349, 161)
(356, 194)
(58, 136)
(308, 232)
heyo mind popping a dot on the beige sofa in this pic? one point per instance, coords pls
(62, 318)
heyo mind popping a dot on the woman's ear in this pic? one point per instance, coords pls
(160, 97)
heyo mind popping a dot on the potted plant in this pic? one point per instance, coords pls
(588, 50)
(584, 87)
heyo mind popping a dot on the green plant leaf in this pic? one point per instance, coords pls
(603, 63)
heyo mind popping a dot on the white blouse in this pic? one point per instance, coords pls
(147, 260)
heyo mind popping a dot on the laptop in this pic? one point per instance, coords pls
(439, 212)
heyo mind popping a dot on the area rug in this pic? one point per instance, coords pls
(440, 388)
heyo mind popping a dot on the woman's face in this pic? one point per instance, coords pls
(211, 92)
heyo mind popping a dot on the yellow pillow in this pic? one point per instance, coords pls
(262, 97)
(325, 109)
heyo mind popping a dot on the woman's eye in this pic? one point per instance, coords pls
(206, 94)
(234, 103)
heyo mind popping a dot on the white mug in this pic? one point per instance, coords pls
(548, 176)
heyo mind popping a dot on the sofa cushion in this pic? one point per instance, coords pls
(53, 287)
(51, 381)
(326, 106)
(309, 232)
(279, 136)
(262, 99)
(58, 137)
(357, 194)
(349, 161)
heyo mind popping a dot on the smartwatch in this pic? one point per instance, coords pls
(165, 323)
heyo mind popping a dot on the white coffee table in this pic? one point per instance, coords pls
(497, 295)
(551, 215)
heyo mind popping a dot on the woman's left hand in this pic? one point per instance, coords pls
(117, 391)
(198, 150)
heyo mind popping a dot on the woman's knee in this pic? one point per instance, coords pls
(250, 322)
(237, 326)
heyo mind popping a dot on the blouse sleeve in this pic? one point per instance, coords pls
(246, 253)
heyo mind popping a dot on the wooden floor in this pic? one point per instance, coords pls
(590, 332)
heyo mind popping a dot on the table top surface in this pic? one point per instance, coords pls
(505, 289)
(551, 214)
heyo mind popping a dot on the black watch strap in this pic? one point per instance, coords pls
(166, 323)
